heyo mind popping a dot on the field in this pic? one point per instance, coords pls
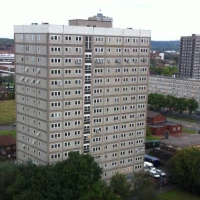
(177, 194)
(8, 132)
(7, 112)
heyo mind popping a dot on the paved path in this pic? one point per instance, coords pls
(9, 128)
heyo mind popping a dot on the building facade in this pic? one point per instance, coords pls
(82, 89)
(189, 59)
(178, 87)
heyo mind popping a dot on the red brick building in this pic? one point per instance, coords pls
(7, 145)
(155, 117)
(3, 92)
(159, 125)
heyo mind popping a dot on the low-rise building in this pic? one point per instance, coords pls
(7, 145)
(178, 87)
(159, 125)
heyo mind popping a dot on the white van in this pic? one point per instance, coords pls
(149, 166)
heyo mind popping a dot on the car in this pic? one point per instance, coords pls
(146, 169)
(163, 174)
(14, 124)
(153, 174)
(149, 165)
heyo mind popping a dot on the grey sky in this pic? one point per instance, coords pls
(167, 19)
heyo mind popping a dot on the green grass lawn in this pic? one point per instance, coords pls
(6, 132)
(177, 194)
(152, 137)
(7, 112)
(181, 118)
(186, 130)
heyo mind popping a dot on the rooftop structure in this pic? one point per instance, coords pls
(98, 20)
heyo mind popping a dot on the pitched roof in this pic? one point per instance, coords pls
(152, 114)
(7, 140)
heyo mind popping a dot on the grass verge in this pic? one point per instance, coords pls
(7, 112)
(186, 130)
(177, 194)
(6, 132)
(152, 137)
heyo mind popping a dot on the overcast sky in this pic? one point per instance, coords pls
(167, 19)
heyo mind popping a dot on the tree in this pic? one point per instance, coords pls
(120, 185)
(185, 168)
(192, 105)
(144, 187)
(171, 102)
(78, 177)
(157, 101)
(148, 132)
(181, 105)
(8, 173)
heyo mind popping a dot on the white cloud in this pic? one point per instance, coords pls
(168, 20)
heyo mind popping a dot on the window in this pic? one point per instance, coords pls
(118, 50)
(68, 71)
(55, 49)
(68, 49)
(108, 39)
(38, 37)
(78, 49)
(68, 60)
(55, 125)
(126, 40)
(55, 104)
(68, 38)
(55, 71)
(78, 71)
(55, 93)
(55, 60)
(99, 39)
(78, 38)
(33, 37)
(55, 37)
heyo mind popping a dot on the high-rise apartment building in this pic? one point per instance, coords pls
(189, 60)
(82, 89)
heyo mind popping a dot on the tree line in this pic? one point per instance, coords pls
(164, 71)
(77, 178)
(165, 45)
(159, 101)
(5, 43)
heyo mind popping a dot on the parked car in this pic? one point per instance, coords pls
(14, 124)
(163, 174)
(146, 169)
(154, 174)
(149, 165)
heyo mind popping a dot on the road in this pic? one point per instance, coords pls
(9, 128)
